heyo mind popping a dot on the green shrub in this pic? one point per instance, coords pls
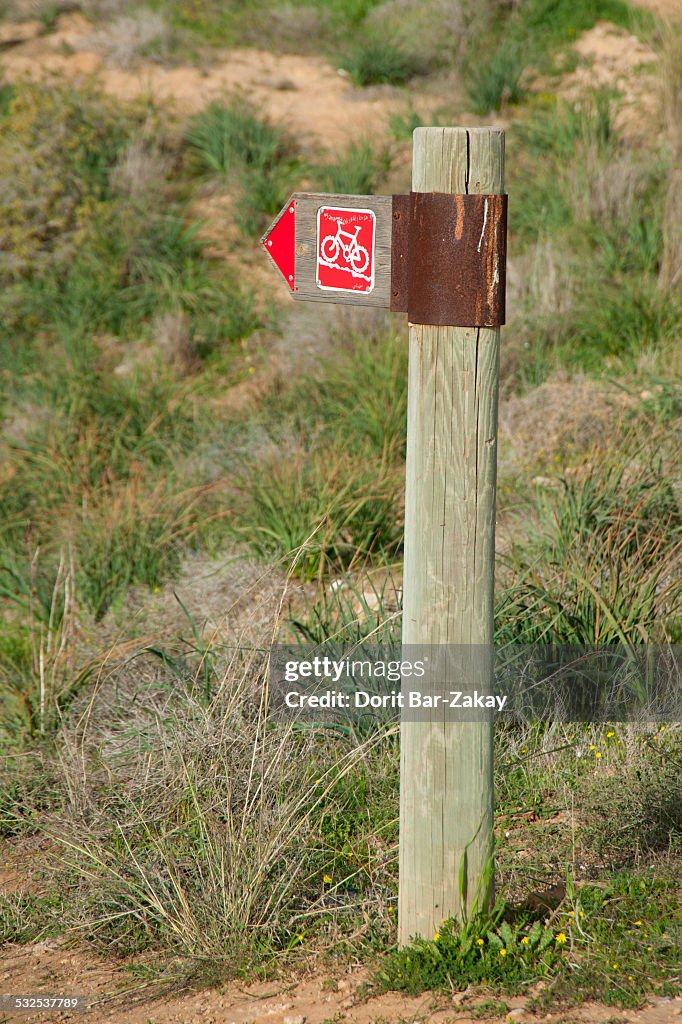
(232, 140)
(376, 61)
(357, 172)
(226, 138)
(51, 200)
(603, 565)
(492, 84)
(320, 510)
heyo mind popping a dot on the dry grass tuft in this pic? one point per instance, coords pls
(127, 38)
(141, 169)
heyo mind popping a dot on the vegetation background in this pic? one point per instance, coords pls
(191, 468)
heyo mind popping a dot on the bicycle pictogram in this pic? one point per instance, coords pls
(345, 249)
(345, 243)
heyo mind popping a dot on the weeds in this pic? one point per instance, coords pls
(376, 61)
(38, 676)
(530, 37)
(50, 200)
(590, 950)
(598, 202)
(231, 140)
(358, 172)
(603, 566)
(499, 82)
(320, 512)
(235, 854)
(355, 416)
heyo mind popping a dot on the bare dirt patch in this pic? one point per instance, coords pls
(113, 995)
(564, 415)
(614, 59)
(306, 95)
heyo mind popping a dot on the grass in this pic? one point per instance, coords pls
(358, 172)
(601, 562)
(320, 514)
(490, 85)
(598, 201)
(88, 467)
(377, 61)
(232, 142)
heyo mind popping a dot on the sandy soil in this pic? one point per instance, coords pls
(112, 996)
(306, 95)
(611, 58)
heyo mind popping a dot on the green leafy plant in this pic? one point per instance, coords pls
(484, 950)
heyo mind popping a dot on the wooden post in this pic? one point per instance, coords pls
(446, 791)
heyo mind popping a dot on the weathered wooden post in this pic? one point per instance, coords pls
(446, 799)
(438, 255)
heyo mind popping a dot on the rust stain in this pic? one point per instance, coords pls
(459, 214)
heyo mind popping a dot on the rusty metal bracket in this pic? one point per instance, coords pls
(448, 259)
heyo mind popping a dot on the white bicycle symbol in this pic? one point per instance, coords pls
(353, 253)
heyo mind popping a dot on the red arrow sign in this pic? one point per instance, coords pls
(280, 243)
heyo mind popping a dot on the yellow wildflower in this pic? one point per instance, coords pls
(327, 879)
(503, 952)
(561, 938)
